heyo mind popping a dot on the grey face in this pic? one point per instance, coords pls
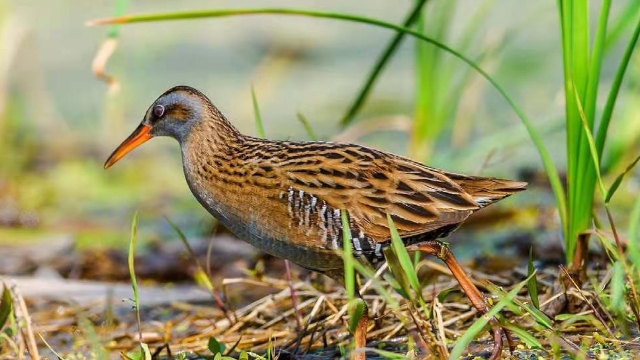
(173, 114)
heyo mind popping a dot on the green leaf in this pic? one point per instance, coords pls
(398, 280)
(617, 303)
(603, 128)
(524, 335)
(444, 293)
(387, 354)
(131, 257)
(90, 334)
(380, 63)
(57, 355)
(533, 283)
(540, 317)
(478, 325)
(114, 30)
(200, 276)
(404, 259)
(215, 346)
(356, 310)
(6, 305)
(307, 126)
(256, 112)
(347, 257)
(616, 183)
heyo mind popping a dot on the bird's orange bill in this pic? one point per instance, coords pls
(139, 136)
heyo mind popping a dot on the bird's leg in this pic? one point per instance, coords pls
(441, 250)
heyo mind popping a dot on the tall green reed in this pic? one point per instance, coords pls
(582, 64)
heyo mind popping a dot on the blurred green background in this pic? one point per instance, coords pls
(58, 123)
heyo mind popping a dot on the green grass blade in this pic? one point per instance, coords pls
(379, 65)
(533, 283)
(114, 30)
(596, 62)
(356, 310)
(58, 356)
(617, 303)
(356, 305)
(398, 278)
(519, 306)
(347, 257)
(384, 354)
(256, 112)
(478, 325)
(601, 135)
(524, 335)
(95, 346)
(131, 257)
(625, 19)
(404, 259)
(634, 236)
(6, 305)
(592, 150)
(616, 183)
(201, 275)
(132, 274)
(307, 126)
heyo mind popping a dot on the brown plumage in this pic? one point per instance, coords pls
(285, 197)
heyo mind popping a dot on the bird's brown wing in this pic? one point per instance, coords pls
(371, 184)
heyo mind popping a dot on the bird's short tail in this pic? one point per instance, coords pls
(486, 191)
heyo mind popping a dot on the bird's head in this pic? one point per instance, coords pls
(173, 114)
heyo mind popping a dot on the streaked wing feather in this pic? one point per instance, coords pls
(371, 184)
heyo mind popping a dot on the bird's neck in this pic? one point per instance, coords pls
(213, 144)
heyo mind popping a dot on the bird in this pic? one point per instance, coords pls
(286, 197)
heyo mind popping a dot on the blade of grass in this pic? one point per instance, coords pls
(60, 357)
(533, 283)
(397, 278)
(6, 305)
(404, 260)
(520, 306)
(617, 303)
(114, 30)
(592, 146)
(601, 135)
(478, 325)
(96, 349)
(616, 183)
(307, 126)
(634, 237)
(202, 276)
(384, 354)
(431, 77)
(256, 112)
(347, 256)
(524, 335)
(356, 304)
(132, 274)
(552, 173)
(625, 19)
(379, 65)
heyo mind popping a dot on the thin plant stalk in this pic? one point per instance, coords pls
(380, 64)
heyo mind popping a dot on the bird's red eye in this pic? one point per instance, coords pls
(158, 111)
